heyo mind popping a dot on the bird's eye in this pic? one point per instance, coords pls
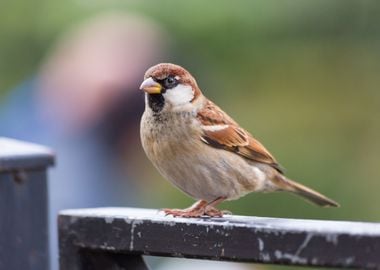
(170, 82)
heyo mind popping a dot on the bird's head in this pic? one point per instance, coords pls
(169, 84)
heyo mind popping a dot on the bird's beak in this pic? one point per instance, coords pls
(151, 87)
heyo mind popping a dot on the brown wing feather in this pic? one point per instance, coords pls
(231, 137)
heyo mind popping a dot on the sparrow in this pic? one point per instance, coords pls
(203, 151)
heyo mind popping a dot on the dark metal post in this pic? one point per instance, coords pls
(23, 205)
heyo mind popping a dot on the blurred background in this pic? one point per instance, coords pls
(303, 77)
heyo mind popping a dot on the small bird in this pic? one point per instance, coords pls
(203, 151)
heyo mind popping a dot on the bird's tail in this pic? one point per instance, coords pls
(305, 192)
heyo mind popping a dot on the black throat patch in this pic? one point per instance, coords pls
(156, 102)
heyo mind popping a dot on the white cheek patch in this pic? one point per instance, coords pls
(179, 95)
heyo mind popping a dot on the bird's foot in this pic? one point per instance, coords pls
(184, 212)
(214, 212)
(196, 210)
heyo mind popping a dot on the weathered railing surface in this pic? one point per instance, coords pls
(115, 238)
(23, 205)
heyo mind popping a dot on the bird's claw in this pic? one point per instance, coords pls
(184, 212)
(209, 211)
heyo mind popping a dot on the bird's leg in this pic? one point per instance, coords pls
(196, 210)
(211, 209)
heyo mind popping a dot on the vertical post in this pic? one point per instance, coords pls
(74, 256)
(23, 205)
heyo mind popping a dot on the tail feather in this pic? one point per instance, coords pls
(307, 193)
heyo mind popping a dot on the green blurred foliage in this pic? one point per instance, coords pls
(302, 76)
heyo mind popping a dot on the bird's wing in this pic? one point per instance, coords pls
(221, 131)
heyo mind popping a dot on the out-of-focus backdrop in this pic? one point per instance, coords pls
(303, 77)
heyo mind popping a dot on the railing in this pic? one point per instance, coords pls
(115, 238)
(23, 205)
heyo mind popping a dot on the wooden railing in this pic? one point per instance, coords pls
(116, 238)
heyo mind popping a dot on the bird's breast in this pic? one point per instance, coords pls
(166, 136)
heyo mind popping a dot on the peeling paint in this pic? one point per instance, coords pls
(332, 238)
(177, 254)
(73, 219)
(109, 219)
(106, 247)
(261, 244)
(132, 232)
(171, 223)
(265, 257)
(349, 260)
(308, 237)
(295, 258)
(292, 258)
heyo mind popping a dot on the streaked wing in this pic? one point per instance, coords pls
(221, 131)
